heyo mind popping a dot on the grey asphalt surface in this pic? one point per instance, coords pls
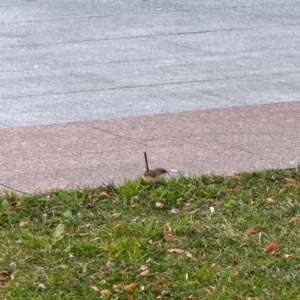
(69, 61)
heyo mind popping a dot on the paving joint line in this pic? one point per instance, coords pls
(151, 85)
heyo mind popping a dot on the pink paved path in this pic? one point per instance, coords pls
(41, 158)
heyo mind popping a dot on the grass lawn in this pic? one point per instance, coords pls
(212, 237)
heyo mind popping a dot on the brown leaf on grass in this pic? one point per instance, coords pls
(169, 237)
(213, 288)
(159, 205)
(234, 174)
(143, 268)
(239, 296)
(175, 250)
(23, 223)
(84, 234)
(2, 284)
(289, 256)
(271, 200)
(191, 297)
(291, 180)
(144, 273)
(115, 215)
(251, 229)
(73, 280)
(104, 269)
(189, 254)
(209, 201)
(130, 297)
(215, 266)
(134, 205)
(293, 219)
(95, 288)
(239, 188)
(16, 205)
(13, 276)
(151, 242)
(4, 273)
(130, 286)
(64, 266)
(204, 254)
(271, 247)
(252, 298)
(174, 211)
(104, 194)
(195, 282)
(105, 292)
(161, 280)
(129, 232)
(118, 286)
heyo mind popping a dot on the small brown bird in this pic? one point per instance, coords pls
(155, 175)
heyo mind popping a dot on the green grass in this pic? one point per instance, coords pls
(86, 243)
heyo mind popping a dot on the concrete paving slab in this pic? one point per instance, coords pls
(91, 153)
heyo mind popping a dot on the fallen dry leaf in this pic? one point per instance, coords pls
(130, 297)
(289, 256)
(161, 280)
(23, 223)
(175, 250)
(130, 286)
(13, 276)
(105, 292)
(239, 188)
(129, 232)
(143, 268)
(293, 219)
(73, 280)
(104, 269)
(151, 242)
(169, 237)
(194, 282)
(144, 273)
(42, 286)
(209, 201)
(251, 229)
(271, 200)
(83, 234)
(115, 215)
(95, 288)
(159, 204)
(191, 297)
(189, 254)
(234, 174)
(174, 211)
(64, 266)
(271, 247)
(104, 194)
(134, 205)
(252, 298)
(290, 180)
(4, 273)
(118, 286)
(215, 266)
